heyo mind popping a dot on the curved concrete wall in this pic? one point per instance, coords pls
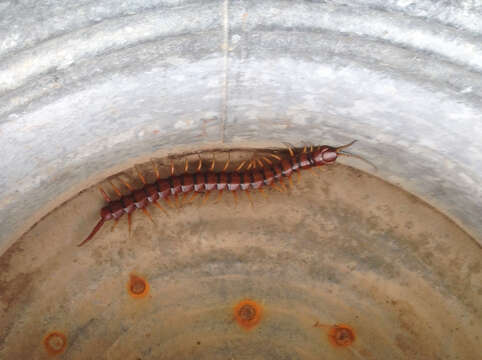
(86, 87)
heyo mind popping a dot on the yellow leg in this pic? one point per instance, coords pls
(172, 168)
(227, 162)
(106, 197)
(140, 176)
(148, 214)
(160, 207)
(218, 198)
(186, 167)
(194, 195)
(250, 198)
(129, 222)
(249, 165)
(235, 195)
(267, 160)
(213, 163)
(200, 164)
(169, 202)
(156, 170)
(290, 181)
(240, 166)
(205, 197)
(292, 154)
(176, 201)
(126, 184)
(298, 177)
(117, 191)
(116, 221)
(261, 191)
(276, 187)
(304, 150)
(261, 165)
(275, 156)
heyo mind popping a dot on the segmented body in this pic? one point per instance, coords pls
(282, 166)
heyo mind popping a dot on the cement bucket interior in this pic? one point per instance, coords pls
(349, 263)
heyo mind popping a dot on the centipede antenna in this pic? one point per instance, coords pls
(250, 198)
(93, 232)
(156, 204)
(105, 196)
(116, 221)
(117, 191)
(227, 162)
(129, 223)
(200, 164)
(126, 184)
(345, 146)
(186, 167)
(213, 163)
(348, 154)
(140, 175)
(267, 160)
(156, 170)
(240, 166)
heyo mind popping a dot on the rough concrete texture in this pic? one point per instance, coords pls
(341, 247)
(87, 86)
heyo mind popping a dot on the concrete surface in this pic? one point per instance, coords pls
(342, 247)
(86, 86)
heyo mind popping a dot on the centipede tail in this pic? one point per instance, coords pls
(93, 232)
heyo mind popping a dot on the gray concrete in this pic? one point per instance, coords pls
(88, 86)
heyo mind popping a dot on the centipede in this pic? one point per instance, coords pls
(272, 170)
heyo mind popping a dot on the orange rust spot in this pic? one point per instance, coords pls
(137, 286)
(248, 313)
(55, 343)
(341, 335)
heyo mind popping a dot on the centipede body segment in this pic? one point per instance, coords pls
(250, 175)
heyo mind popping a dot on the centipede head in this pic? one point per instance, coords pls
(330, 154)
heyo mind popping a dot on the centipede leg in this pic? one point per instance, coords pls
(126, 184)
(156, 204)
(213, 163)
(218, 198)
(172, 168)
(93, 232)
(235, 195)
(200, 164)
(116, 221)
(129, 223)
(117, 191)
(156, 170)
(140, 176)
(240, 166)
(290, 180)
(105, 196)
(261, 191)
(169, 203)
(148, 214)
(268, 161)
(275, 156)
(276, 187)
(194, 195)
(227, 162)
(250, 198)
(186, 167)
(205, 198)
(176, 201)
(261, 165)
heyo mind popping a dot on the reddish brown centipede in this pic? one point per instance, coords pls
(256, 175)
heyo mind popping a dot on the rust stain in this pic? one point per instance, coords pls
(341, 335)
(248, 314)
(55, 343)
(137, 287)
(338, 334)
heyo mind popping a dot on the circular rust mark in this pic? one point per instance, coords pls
(247, 313)
(55, 343)
(341, 335)
(137, 286)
